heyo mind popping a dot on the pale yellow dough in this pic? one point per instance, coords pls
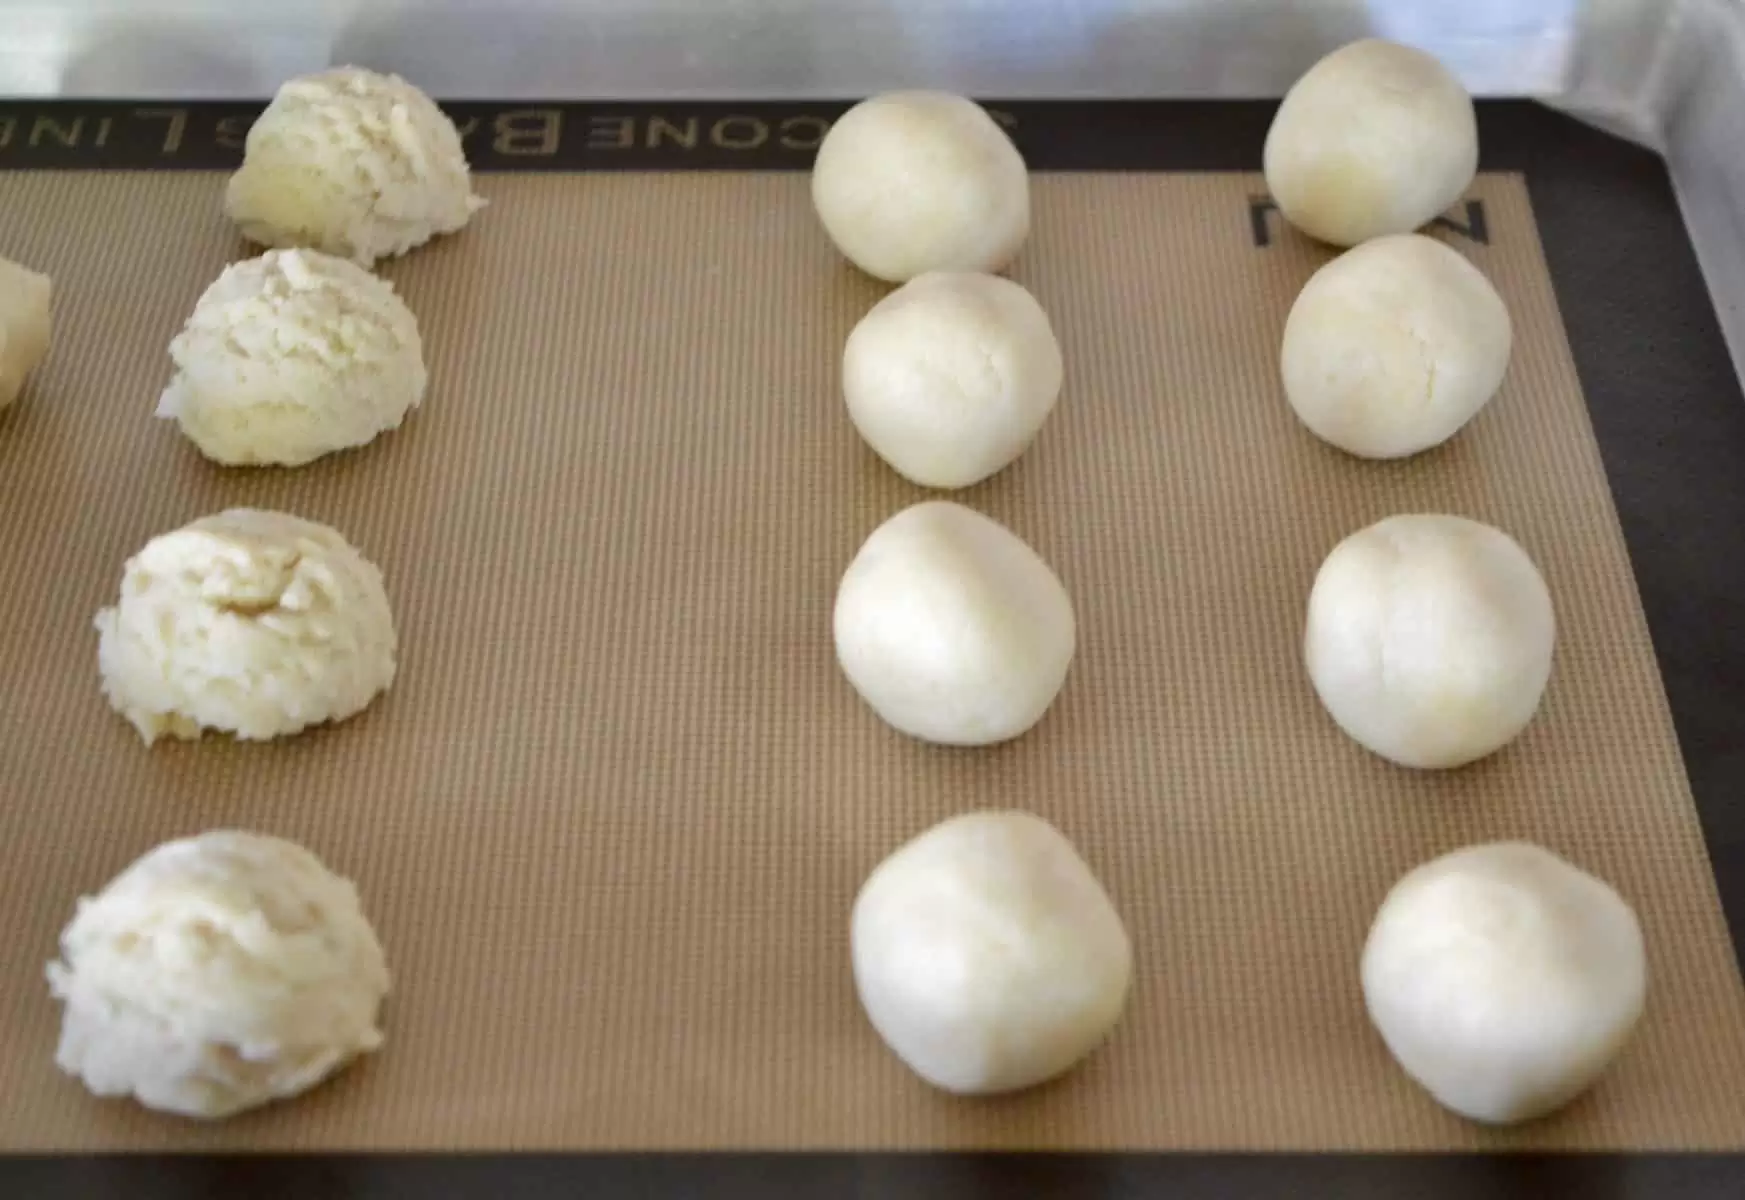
(1392, 348)
(291, 356)
(216, 974)
(951, 628)
(354, 163)
(918, 181)
(1376, 138)
(252, 623)
(1504, 979)
(1430, 639)
(950, 377)
(988, 956)
(26, 319)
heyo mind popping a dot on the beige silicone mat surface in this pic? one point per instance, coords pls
(611, 817)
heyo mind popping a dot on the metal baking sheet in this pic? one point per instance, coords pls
(1601, 213)
(1649, 345)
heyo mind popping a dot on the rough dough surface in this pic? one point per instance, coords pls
(1430, 638)
(357, 164)
(987, 955)
(918, 181)
(1504, 979)
(951, 628)
(1376, 138)
(1393, 347)
(252, 623)
(26, 313)
(291, 356)
(950, 377)
(216, 974)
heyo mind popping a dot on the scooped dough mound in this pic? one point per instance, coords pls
(1504, 979)
(1376, 138)
(291, 356)
(357, 164)
(950, 377)
(918, 181)
(26, 319)
(951, 628)
(1430, 638)
(1393, 347)
(252, 623)
(987, 955)
(216, 974)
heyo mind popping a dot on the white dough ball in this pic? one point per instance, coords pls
(950, 377)
(26, 325)
(291, 356)
(216, 974)
(354, 163)
(911, 182)
(1376, 138)
(1393, 347)
(953, 629)
(987, 955)
(1504, 980)
(1429, 639)
(253, 623)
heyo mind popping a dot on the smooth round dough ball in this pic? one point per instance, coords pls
(354, 163)
(950, 377)
(953, 629)
(216, 974)
(1429, 639)
(918, 181)
(1393, 347)
(987, 955)
(291, 356)
(1376, 138)
(252, 623)
(1504, 980)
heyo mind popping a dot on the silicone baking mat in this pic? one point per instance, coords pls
(612, 815)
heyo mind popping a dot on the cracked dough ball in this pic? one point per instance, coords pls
(1504, 979)
(1376, 138)
(950, 377)
(291, 356)
(216, 974)
(987, 955)
(1393, 347)
(252, 623)
(1430, 639)
(918, 181)
(356, 164)
(951, 628)
(26, 314)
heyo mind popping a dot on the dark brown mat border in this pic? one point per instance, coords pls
(1670, 421)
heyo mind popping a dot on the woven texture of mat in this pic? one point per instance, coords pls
(612, 815)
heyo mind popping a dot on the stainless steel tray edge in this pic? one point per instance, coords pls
(1702, 133)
